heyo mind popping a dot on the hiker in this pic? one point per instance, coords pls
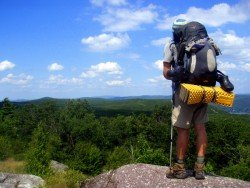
(189, 51)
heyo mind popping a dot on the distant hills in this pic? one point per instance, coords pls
(141, 103)
(135, 97)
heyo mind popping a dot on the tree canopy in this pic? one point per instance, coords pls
(89, 141)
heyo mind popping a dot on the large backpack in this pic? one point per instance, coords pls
(197, 54)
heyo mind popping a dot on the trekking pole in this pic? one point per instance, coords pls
(169, 173)
(171, 146)
(171, 133)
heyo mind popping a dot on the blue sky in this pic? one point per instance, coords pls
(87, 48)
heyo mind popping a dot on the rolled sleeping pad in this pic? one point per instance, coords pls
(194, 94)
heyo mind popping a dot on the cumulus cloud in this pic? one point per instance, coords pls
(217, 15)
(246, 67)
(156, 79)
(228, 40)
(161, 41)
(5, 65)
(108, 67)
(226, 66)
(233, 46)
(20, 80)
(127, 19)
(89, 74)
(108, 2)
(119, 82)
(158, 64)
(235, 51)
(55, 67)
(106, 42)
(61, 80)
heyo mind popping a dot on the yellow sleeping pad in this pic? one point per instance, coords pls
(193, 94)
(223, 98)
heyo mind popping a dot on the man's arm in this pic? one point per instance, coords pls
(166, 68)
(176, 75)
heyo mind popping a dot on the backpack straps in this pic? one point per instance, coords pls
(216, 48)
(196, 45)
(181, 50)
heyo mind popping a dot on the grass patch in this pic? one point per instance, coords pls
(10, 165)
(67, 179)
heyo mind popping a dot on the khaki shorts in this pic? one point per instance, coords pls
(184, 115)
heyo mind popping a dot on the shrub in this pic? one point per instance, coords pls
(67, 179)
(5, 148)
(120, 156)
(240, 171)
(145, 154)
(87, 158)
(38, 157)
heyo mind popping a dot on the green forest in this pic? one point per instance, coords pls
(93, 140)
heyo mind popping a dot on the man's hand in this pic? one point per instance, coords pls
(178, 74)
(166, 68)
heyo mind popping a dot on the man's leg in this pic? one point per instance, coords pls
(181, 118)
(201, 140)
(201, 144)
(178, 170)
(182, 143)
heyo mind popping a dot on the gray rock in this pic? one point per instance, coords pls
(58, 167)
(152, 176)
(20, 181)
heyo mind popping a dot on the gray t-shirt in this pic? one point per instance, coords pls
(170, 56)
(170, 52)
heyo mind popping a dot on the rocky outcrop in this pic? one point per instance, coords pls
(20, 181)
(152, 176)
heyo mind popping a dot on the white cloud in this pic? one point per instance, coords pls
(156, 79)
(226, 66)
(108, 2)
(127, 19)
(161, 41)
(4, 65)
(21, 79)
(108, 67)
(56, 79)
(119, 82)
(158, 64)
(55, 67)
(61, 80)
(233, 46)
(229, 39)
(217, 15)
(246, 67)
(89, 74)
(235, 51)
(107, 42)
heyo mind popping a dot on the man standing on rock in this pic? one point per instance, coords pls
(185, 116)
